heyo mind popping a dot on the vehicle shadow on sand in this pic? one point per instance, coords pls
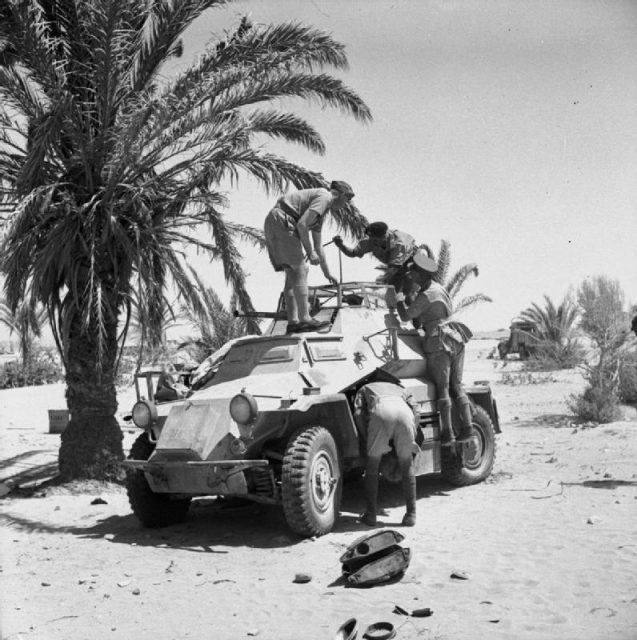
(390, 496)
(214, 526)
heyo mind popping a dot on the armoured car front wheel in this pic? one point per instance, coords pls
(478, 455)
(311, 482)
(152, 509)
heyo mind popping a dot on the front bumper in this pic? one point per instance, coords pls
(197, 477)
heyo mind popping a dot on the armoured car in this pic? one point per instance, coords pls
(271, 418)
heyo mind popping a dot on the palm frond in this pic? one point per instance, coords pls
(470, 301)
(457, 280)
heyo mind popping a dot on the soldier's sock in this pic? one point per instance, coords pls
(302, 304)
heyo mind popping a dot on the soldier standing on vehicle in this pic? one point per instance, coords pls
(443, 345)
(383, 413)
(393, 248)
(292, 236)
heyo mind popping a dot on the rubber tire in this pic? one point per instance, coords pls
(503, 349)
(152, 509)
(479, 468)
(304, 514)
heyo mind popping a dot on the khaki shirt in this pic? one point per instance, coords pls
(394, 250)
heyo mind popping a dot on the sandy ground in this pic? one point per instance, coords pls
(548, 543)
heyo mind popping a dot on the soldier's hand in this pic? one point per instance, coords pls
(338, 241)
(313, 258)
(331, 278)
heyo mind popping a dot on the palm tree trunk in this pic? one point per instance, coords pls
(91, 445)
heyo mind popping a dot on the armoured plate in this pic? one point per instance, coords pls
(382, 569)
(370, 544)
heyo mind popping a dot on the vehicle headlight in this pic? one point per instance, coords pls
(144, 414)
(243, 408)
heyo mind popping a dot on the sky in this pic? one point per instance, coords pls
(508, 128)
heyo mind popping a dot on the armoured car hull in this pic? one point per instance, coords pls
(275, 423)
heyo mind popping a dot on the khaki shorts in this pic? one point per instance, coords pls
(281, 239)
(391, 419)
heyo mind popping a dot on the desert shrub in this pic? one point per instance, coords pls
(604, 320)
(526, 377)
(39, 370)
(628, 378)
(550, 355)
(596, 404)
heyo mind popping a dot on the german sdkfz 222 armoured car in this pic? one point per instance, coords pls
(273, 422)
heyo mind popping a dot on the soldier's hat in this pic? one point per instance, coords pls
(423, 262)
(376, 229)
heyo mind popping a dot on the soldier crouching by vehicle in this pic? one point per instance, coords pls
(384, 414)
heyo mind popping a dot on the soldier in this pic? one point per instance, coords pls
(292, 236)
(383, 413)
(393, 248)
(443, 345)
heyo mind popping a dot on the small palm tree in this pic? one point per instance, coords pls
(215, 323)
(452, 284)
(555, 327)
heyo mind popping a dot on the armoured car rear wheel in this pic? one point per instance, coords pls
(311, 482)
(152, 509)
(478, 455)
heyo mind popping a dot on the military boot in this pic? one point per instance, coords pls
(466, 420)
(446, 428)
(409, 490)
(371, 499)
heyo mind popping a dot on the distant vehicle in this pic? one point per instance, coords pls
(270, 418)
(522, 340)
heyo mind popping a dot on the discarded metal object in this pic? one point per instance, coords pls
(383, 569)
(365, 546)
(422, 613)
(302, 578)
(348, 630)
(459, 575)
(375, 558)
(380, 631)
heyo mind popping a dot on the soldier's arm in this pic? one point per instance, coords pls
(417, 308)
(357, 251)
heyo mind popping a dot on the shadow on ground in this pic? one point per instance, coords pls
(23, 469)
(554, 420)
(213, 523)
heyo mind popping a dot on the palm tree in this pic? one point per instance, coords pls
(114, 171)
(555, 332)
(215, 323)
(25, 321)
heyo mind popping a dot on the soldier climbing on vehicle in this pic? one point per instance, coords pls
(393, 248)
(443, 345)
